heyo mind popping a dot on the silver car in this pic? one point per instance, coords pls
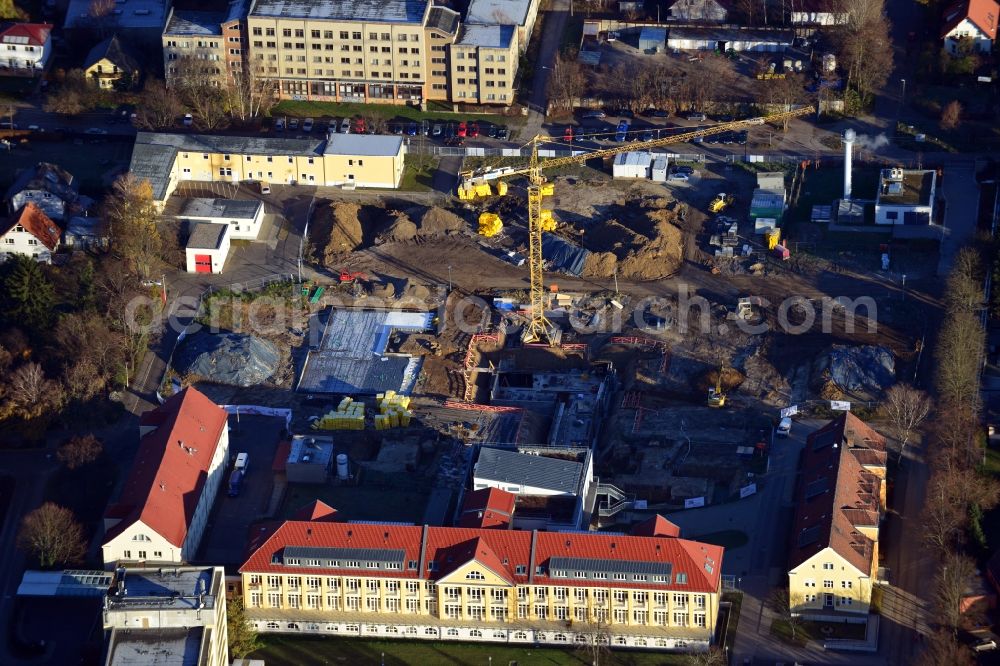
(345, 126)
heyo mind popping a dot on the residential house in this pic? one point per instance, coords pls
(25, 46)
(166, 500)
(839, 503)
(353, 160)
(511, 586)
(551, 493)
(698, 11)
(51, 188)
(109, 65)
(818, 12)
(172, 615)
(519, 13)
(970, 26)
(29, 232)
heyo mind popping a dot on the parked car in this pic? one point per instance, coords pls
(678, 176)
(345, 126)
(696, 115)
(784, 427)
(625, 113)
(188, 120)
(265, 188)
(474, 129)
(984, 645)
(307, 125)
(698, 139)
(411, 129)
(95, 130)
(741, 137)
(491, 131)
(293, 124)
(655, 113)
(463, 129)
(503, 133)
(359, 126)
(594, 114)
(568, 134)
(449, 130)
(437, 130)
(683, 169)
(647, 136)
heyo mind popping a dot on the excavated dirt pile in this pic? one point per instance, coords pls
(435, 221)
(337, 229)
(399, 230)
(646, 244)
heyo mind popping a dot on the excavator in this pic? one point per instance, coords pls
(475, 184)
(716, 397)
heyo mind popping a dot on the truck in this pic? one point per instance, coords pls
(235, 482)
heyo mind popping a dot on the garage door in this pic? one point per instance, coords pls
(202, 263)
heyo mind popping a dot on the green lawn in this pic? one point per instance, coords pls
(418, 173)
(88, 162)
(281, 650)
(388, 111)
(736, 599)
(818, 631)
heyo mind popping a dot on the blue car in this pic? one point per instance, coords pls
(621, 133)
(411, 129)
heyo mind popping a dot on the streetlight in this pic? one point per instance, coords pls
(449, 277)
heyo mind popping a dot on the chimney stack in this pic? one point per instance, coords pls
(849, 137)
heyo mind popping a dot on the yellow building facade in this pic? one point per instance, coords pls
(342, 160)
(476, 596)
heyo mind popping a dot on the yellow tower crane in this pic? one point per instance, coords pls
(539, 219)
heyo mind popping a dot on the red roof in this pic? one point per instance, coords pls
(317, 511)
(36, 223)
(171, 466)
(982, 13)
(37, 34)
(487, 508)
(655, 526)
(508, 553)
(836, 495)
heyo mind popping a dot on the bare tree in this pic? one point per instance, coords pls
(783, 604)
(951, 115)
(906, 409)
(598, 646)
(954, 575)
(863, 45)
(567, 81)
(52, 535)
(250, 93)
(158, 107)
(714, 656)
(944, 648)
(79, 451)
(200, 80)
(30, 394)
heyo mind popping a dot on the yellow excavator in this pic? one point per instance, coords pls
(475, 184)
(716, 398)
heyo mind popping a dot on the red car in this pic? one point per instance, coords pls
(568, 134)
(474, 129)
(359, 126)
(463, 129)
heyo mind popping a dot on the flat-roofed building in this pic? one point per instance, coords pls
(482, 64)
(364, 160)
(905, 196)
(173, 615)
(207, 247)
(519, 13)
(511, 586)
(242, 216)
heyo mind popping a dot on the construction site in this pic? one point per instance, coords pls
(555, 311)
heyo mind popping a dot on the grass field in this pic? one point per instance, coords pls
(313, 651)
(418, 173)
(88, 162)
(388, 111)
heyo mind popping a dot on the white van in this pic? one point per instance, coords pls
(784, 427)
(242, 461)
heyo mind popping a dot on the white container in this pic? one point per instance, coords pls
(343, 469)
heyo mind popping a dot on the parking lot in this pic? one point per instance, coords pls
(228, 528)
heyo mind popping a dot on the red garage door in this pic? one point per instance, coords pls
(203, 263)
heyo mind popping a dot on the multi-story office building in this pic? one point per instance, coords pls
(649, 589)
(483, 62)
(204, 43)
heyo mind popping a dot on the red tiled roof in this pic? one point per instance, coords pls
(487, 507)
(36, 223)
(655, 526)
(317, 511)
(501, 551)
(835, 495)
(171, 466)
(37, 33)
(982, 13)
